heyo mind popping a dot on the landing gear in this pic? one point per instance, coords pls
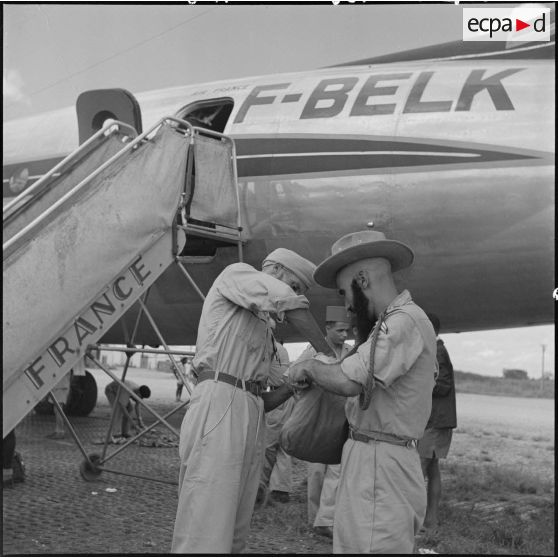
(81, 399)
(83, 395)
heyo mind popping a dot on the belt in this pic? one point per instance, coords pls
(381, 437)
(252, 386)
(273, 388)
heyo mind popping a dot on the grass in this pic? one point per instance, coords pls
(525, 525)
(498, 496)
(468, 382)
(465, 533)
(471, 481)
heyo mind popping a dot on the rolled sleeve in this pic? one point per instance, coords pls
(257, 291)
(398, 346)
(355, 367)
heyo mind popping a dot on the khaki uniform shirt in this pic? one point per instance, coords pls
(310, 352)
(404, 371)
(279, 365)
(234, 334)
(277, 417)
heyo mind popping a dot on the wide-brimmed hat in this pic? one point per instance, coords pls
(359, 246)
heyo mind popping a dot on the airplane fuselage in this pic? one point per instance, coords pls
(454, 158)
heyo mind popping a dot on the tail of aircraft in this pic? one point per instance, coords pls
(83, 244)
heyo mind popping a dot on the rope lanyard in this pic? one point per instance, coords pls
(366, 395)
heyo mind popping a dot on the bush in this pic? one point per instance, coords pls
(515, 374)
(468, 382)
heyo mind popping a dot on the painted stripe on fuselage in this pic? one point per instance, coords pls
(311, 155)
(303, 155)
(333, 153)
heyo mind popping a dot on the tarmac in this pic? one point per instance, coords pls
(55, 511)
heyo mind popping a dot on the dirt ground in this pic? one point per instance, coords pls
(56, 512)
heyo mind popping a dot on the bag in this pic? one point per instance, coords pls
(317, 428)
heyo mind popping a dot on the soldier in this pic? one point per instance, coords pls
(381, 497)
(277, 466)
(222, 434)
(435, 443)
(123, 407)
(322, 478)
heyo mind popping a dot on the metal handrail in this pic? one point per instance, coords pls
(110, 127)
(138, 139)
(114, 349)
(88, 179)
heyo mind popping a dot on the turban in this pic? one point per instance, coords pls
(301, 267)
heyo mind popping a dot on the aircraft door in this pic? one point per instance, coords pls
(95, 107)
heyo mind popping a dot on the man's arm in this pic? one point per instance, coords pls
(138, 413)
(328, 376)
(126, 410)
(306, 325)
(256, 291)
(273, 399)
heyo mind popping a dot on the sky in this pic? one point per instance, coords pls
(54, 52)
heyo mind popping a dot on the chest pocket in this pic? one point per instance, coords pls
(252, 331)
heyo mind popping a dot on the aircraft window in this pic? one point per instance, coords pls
(101, 118)
(212, 114)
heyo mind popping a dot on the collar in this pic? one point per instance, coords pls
(404, 297)
(401, 299)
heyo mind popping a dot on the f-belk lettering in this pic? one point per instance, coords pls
(333, 95)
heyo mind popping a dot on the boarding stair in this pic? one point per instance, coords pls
(86, 242)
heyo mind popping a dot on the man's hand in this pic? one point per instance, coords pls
(299, 374)
(328, 376)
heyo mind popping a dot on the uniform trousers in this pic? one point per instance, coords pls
(322, 490)
(381, 499)
(277, 466)
(221, 452)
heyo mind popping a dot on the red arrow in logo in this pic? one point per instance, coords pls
(519, 25)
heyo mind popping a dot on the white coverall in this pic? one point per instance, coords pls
(381, 498)
(222, 434)
(322, 478)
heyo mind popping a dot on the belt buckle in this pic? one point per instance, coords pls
(411, 444)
